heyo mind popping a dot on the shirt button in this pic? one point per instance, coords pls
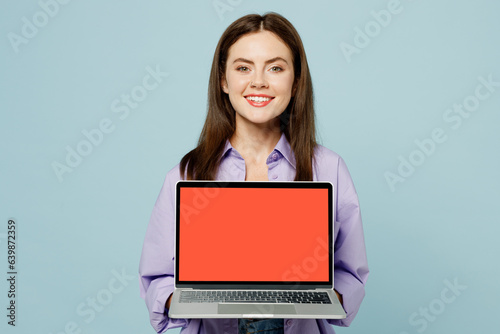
(275, 156)
(275, 176)
(289, 322)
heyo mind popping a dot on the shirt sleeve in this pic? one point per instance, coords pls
(350, 262)
(156, 268)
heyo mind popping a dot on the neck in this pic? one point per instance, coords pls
(255, 142)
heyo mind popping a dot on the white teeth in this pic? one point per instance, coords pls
(258, 98)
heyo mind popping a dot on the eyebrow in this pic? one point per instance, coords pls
(272, 60)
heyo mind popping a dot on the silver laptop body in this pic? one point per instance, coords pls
(238, 240)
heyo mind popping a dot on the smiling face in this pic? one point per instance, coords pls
(259, 78)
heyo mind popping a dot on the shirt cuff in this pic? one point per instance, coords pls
(156, 297)
(352, 291)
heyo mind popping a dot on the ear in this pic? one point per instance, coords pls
(294, 88)
(224, 85)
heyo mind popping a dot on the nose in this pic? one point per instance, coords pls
(258, 81)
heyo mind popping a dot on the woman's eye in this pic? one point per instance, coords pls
(276, 69)
(243, 69)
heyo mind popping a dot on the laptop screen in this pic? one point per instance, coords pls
(254, 232)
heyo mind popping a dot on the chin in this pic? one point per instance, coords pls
(259, 117)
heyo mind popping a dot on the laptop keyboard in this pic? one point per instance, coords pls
(252, 296)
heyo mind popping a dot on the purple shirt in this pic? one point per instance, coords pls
(156, 268)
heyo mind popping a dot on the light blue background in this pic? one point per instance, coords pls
(440, 224)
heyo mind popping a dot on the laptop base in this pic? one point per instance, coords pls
(256, 310)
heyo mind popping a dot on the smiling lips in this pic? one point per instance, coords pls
(259, 100)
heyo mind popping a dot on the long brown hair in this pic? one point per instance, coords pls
(297, 121)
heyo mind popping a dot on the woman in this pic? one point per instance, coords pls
(259, 126)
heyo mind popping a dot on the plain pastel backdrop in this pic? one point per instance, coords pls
(386, 77)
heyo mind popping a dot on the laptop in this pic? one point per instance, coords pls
(254, 250)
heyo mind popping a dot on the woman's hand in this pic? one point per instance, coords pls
(167, 304)
(339, 296)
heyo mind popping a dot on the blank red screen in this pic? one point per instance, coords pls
(253, 234)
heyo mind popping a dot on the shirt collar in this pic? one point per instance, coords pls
(283, 147)
(228, 147)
